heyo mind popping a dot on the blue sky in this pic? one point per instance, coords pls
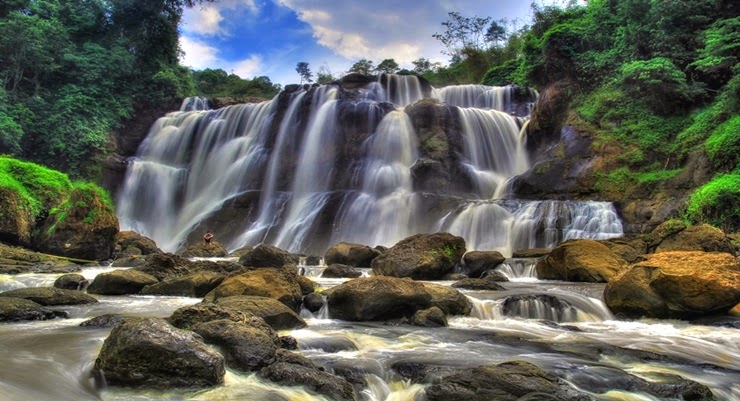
(268, 37)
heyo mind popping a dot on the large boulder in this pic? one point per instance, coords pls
(210, 250)
(421, 257)
(84, 227)
(350, 254)
(164, 266)
(509, 381)
(676, 285)
(692, 238)
(337, 270)
(477, 262)
(132, 243)
(294, 374)
(580, 260)
(196, 285)
(192, 315)
(488, 283)
(246, 347)
(49, 296)
(271, 283)
(268, 256)
(383, 298)
(150, 352)
(275, 313)
(15, 309)
(120, 282)
(72, 281)
(432, 317)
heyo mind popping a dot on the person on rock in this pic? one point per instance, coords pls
(207, 238)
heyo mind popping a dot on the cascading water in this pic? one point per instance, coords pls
(321, 165)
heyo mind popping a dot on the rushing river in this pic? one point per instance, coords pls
(562, 327)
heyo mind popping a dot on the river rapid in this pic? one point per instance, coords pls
(562, 327)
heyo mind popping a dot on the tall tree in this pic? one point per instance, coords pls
(387, 66)
(462, 33)
(302, 69)
(363, 66)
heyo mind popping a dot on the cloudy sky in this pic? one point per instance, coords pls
(268, 37)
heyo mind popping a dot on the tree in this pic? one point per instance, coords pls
(495, 34)
(461, 33)
(305, 72)
(364, 66)
(324, 75)
(387, 66)
(423, 66)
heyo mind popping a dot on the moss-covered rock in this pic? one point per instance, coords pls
(120, 282)
(49, 296)
(421, 257)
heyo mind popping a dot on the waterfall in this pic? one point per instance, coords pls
(559, 307)
(320, 165)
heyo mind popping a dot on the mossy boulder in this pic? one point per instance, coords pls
(72, 281)
(152, 353)
(311, 377)
(16, 218)
(210, 250)
(49, 296)
(246, 347)
(337, 270)
(270, 283)
(347, 253)
(477, 262)
(421, 257)
(196, 284)
(120, 282)
(268, 256)
(131, 243)
(275, 313)
(676, 285)
(580, 260)
(192, 315)
(671, 236)
(17, 309)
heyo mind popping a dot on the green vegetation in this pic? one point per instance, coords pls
(723, 145)
(219, 83)
(717, 203)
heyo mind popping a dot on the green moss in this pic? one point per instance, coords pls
(41, 187)
(717, 203)
(723, 145)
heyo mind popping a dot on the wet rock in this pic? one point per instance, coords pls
(432, 317)
(192, 285)
(313, 302)
(476, 262)
(17, 309)
(429, 175)
(152, 353)
(531, 253)
(539, 306)
(421, 257)
(307, 285)
(487, 283)
(130, 243)
(384, 298)
(14, 260)
(246, 347)
(213, 266)
(192, 315)
(72, 281)
(313, 260)
(676, 285)
(355, 255)
(580, 260)
(163, 266)
(120, 282)
(211, 250)
(337, 270)
(270, 283)
(241, 251)
(510, 381)
(268, 255)
(454, 277)
(631, 250)
(129, 261)
(494, 275)
(275, 313)
(693, 238)
(287, 342)
(49, 296)
(290, 374)
(104, 321)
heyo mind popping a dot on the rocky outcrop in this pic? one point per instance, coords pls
(84, 227)
(49, 296)
(509, 381)
(120, 282)
(130, 243)
(673, 235)
(275, 313)
(268, 256)
(337, 270)
(384, 298)
(580, 260)
(246, 347)
(270, 283)
(210, 250)
(152, 353)
(72, 281)
(346, 253)
(421, 257)
(676, 285)
(317, 381)
(17, 309)
(476, 262)
(196, 285)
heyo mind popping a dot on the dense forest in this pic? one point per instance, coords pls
(659, 78)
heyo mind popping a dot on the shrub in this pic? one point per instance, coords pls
(723, 146)
(717, 203)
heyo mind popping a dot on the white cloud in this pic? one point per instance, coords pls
(204, 21)
(248, 68)
(199, 55)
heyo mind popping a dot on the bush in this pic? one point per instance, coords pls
(659, 81)
(723, 146)
(717, 203)
(41, 187)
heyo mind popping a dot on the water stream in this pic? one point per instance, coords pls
(562, 327)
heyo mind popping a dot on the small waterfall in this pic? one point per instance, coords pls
(493, 149)
(386, 198)
(556, 307)
(478, 96)
(402, 90)
(518, 269)
(194, 103)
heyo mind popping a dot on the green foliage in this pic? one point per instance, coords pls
(658, 81)
(218, 83)
(363, 66)
(723, 145)
(387, 66)
(717, 203)
(720, 52)
(302, 69)
(41, 187)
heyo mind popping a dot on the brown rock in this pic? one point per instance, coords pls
(210, 250)
(129, 242)
(196, 285)
(270, 283)
(268, 256)
(49, 296)
(531, 253)
(477, 262)
(120, 282)
(421, 257)
(580, 260)
(275, 313)
(676, 285)
(696, 238)
(355, 255)
(72, 281)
